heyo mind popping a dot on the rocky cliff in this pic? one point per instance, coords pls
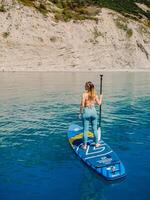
(34, 40)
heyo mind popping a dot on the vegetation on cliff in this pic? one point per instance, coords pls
(87, 9)
(125, 7)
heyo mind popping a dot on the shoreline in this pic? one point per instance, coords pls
(76, 71)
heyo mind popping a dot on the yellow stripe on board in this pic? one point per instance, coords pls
(79, 136)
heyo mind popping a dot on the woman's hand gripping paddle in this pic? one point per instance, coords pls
(100, 108)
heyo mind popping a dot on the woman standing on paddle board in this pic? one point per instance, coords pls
(88, 111)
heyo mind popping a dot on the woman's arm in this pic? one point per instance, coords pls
(99, 100)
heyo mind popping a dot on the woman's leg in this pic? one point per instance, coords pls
(94, 127)
(86, 120)
(86, 129)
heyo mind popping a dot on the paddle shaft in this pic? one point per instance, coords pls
(100, 107)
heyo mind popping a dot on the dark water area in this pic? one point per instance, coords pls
(36, 161)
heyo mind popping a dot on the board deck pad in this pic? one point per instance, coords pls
(102, 159)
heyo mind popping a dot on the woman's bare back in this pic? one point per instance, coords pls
(88, 101)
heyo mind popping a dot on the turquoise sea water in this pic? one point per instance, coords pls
(36, 161)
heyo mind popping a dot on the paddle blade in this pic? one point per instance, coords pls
(99, 133)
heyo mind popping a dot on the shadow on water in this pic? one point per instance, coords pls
(93, 186)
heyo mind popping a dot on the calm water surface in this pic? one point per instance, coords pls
(36, 161)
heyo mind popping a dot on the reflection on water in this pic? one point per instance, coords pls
(36, 159)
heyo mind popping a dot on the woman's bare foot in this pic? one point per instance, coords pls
(84, 146)
(97, 145)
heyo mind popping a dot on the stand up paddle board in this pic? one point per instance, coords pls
(102, 159)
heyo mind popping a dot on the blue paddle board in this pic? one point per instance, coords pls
(102, 159)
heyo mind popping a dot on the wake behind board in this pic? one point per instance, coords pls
(102, 159)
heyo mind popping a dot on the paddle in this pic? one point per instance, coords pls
(100, 109)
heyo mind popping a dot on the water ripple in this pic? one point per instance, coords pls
(35, 112)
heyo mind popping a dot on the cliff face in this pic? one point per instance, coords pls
(29, 41)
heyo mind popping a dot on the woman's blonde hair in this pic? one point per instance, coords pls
(89, 86)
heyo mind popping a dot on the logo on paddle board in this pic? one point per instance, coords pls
(104, 160)
(92, 150)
